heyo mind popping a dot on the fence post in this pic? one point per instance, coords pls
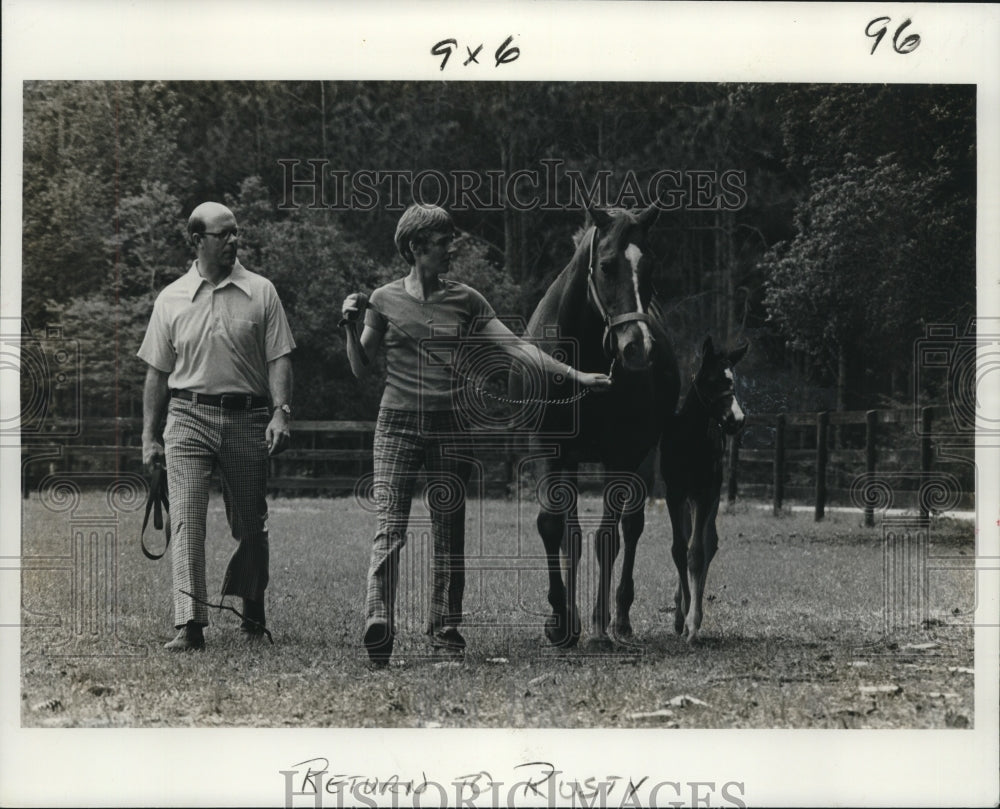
(871, 419)
(926, 454)
(779, 462)
(734, 459)
(822, 425)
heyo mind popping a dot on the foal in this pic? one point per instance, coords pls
(691, 452)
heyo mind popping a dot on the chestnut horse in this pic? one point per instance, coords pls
(596, 315)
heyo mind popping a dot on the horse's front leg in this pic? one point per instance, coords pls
(680, 525)
(633, 523)
(699, 555)
(558, 503)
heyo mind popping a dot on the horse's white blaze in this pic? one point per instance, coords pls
(735, 412)
(634, 256)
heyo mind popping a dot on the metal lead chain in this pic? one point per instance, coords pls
(507, 400)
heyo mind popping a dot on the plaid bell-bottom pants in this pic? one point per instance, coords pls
(404, 442)
(197, 438)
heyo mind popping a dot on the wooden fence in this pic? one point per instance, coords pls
(894, 458)
(869, 459)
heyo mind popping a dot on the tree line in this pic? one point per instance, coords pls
(827, 224)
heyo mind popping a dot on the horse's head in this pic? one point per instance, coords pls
(715, 385)
(620, 282)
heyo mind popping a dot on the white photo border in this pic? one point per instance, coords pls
(585, 41)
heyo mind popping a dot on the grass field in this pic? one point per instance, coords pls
(794, 632)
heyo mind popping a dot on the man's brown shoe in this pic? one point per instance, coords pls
(189, 638)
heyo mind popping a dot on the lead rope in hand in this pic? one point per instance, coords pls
(158, 501)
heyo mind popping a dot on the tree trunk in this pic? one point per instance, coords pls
(718, 282)
(322, 119)
(841, 378)
(513, 226)
(510, 266)
(836, 438)
(729, 262)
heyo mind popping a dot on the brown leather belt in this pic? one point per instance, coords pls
(227, 401)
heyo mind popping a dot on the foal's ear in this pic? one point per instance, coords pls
(737, 353)
(648, 216)
(707, 348)
(599, 217)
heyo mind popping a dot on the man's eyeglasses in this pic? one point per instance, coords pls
(224, 234)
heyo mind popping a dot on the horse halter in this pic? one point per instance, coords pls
(610, 323)
(709, 403)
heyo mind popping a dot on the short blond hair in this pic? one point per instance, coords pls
(416, 222)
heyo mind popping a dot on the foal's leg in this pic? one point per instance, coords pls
(562, 627)
(633, 523)
(607, 543)
(701, 552)
(711, 538)
(572, 549)
(680, 524)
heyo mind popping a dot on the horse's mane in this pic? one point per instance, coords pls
(562, 298)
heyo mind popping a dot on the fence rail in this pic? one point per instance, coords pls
(914, 465)
(805, 457)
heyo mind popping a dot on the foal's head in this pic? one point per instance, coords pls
(715, 385)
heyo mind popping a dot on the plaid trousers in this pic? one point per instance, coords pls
(404, 442)
(197, 437)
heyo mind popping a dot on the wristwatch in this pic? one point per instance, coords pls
(285, 408)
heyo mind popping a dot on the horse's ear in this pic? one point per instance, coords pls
(648, 216)
(707, 347)
(599, 217)
(737, 353)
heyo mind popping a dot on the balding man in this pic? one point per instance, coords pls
(218, 349)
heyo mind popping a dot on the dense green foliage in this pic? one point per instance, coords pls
(856, 230)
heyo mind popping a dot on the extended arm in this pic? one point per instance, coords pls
(516, 347)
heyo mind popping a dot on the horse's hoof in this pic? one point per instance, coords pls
(623, 632)
(627, 639)
(558, 634)
(600, 644)
(679, 623)
(693, 637)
